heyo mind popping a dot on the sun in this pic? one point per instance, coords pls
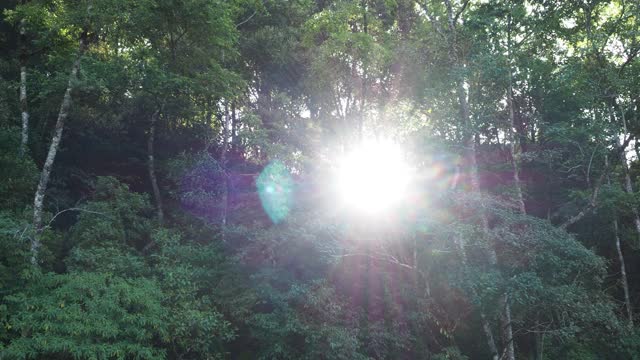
(373, 177)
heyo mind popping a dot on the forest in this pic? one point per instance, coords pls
(319, 179)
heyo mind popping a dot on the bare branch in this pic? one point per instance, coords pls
(386, 258)
(590, 163)
(250, 16)
(461, 10)
(73, 209)
(247, 19)
(593, 202)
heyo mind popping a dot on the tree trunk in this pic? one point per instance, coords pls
(623, 274)
(363, 97)
(622, 153)
(24, 113)
(151, 166)
(38, 201)
(471, 155)
(515, 149)
(514, 146)
(475, 186)
(507, 327)
(539, 346)
(223, 163)
(628, 188)
(623, 271)
(234, 129)
(486, 325)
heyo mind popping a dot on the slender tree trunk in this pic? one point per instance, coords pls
(208, 116)
(515, 152)
(506, 318)
(628, 185)
(622, 153)
(223, 163)
(24, 113)
(486, 325)
(628, 188)
(471, 155)
(63, 113)
(363, 98)
(151, 166)
(24, 141)
(475, 186)
(515, 148)
(417, 274)
(623, 274)
(623, 271)
(515, 145)
(507, 327)
(234, 128)
(539, 346)
(210, 135)
(38, 201)
(493, 258)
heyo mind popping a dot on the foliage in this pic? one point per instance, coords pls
(519, 119)
(86, 315)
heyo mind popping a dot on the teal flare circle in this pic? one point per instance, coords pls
(275, 188)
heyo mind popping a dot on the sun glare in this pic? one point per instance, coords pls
(373, 177)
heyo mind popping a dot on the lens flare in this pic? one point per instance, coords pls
(373, 177)
(275, 189)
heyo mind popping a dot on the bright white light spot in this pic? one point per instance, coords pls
(569, 23)
(373, 177)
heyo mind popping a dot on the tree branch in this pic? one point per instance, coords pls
(593, 202)
(461, 10)
(73, 209)
(432, 18)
